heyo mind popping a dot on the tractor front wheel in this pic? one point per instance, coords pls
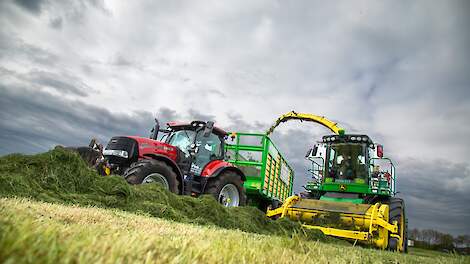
(152, 171)
(227, 189)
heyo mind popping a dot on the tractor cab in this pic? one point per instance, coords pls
(198, 140)
(350, 168)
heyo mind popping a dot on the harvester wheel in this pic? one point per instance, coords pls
(227, 189)
(152, 171)
(397, 213)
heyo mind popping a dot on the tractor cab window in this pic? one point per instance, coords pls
(208, 149)
(347, 162)
(182, 139)
(209, 146)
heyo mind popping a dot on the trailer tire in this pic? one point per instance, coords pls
(152, 171)
(397, 213)
(226, 188)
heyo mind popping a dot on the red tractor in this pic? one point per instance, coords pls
(188, 159)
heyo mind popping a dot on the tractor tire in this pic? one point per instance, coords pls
(227, 189)
(397, 213)
(152, 171)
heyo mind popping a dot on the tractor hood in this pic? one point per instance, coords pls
(149, 147)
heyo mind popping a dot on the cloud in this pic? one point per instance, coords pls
(56, 23)
(62, 83)
(436, 193)
(14, 48)
(196, 115)
(35, 121)
(33, 6)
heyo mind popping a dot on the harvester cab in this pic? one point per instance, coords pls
(186, 158)
(350, 168)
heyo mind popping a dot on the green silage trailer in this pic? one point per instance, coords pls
(269, 178)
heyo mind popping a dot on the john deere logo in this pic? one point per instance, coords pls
(342, 187)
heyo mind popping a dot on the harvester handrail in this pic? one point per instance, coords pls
(306, 117)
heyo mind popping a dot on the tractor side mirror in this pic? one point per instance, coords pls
(155, 129)
(380, 151)
(208, 129)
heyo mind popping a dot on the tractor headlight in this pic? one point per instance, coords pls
(116, 152)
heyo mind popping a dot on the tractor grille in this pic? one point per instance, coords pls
(123, 143)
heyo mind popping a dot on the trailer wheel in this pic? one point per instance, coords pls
(227, 189)
(397, 213)
(152, 171)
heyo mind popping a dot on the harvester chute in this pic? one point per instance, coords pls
(292, 115)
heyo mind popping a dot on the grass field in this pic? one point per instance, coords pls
(38, 232)
(55, 209)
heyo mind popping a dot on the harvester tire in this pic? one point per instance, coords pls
(227, 181)
(397, 213)
(152, 171)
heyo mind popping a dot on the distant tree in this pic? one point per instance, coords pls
(466, 240)
(460, 241)
(414, 234)
(433, 239)
(446, 241)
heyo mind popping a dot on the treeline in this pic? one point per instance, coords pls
(435, 240)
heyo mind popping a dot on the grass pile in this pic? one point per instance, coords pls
(61, 176)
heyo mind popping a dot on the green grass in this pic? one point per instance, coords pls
(38, 232)
(61, 176)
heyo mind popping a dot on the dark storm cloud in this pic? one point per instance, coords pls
(436, 194)
(33, 6)
(63, 83)
(35, 121)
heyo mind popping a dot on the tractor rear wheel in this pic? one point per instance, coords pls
(397, 213)
(152, 171)
(227, 189)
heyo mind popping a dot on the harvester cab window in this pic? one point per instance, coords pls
(347, 162)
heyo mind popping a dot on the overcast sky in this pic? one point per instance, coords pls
(396, 70)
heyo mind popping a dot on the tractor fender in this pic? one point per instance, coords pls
(216, 167)
(172, 164)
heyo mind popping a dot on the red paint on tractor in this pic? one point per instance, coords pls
(213, 166)
(149, 146)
